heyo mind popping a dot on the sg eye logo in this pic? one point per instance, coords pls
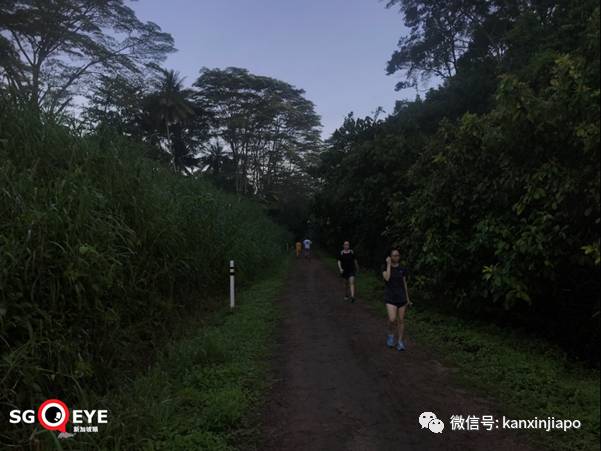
(54, 415)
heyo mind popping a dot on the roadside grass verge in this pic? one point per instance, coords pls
(527, 376)
(206, 389)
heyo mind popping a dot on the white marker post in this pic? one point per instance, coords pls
(232, 289)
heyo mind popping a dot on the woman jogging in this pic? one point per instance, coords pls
(396, 298)
(348, 267)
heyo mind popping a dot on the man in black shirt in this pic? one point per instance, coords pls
(348, 266)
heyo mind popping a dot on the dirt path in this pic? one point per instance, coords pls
(337, 387)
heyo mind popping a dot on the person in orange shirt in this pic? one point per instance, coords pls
(299, 248)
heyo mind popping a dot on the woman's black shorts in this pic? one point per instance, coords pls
(396, 302)
(347, 274)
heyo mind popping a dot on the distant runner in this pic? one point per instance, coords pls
(348, 266)
(298, 247)
(307, 246)
(396, 297)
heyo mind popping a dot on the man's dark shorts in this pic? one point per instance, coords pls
(347, 274)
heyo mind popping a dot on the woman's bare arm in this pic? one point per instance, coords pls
(386, 274)
(407, 291)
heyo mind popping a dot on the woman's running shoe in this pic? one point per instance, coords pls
(390, 341)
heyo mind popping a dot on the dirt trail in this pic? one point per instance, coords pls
(337, 387)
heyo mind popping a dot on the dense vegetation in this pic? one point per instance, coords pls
(102, 250)
(248, 134)
(489, 185)
(119, 211)
(97, 63)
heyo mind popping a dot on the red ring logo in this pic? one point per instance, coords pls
(56, 422)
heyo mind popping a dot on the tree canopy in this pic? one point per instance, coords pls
(51, 51)
(266, 124)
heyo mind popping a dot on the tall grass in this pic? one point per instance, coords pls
(101, 250)
(206, 389)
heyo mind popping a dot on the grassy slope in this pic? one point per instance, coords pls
(203, 392)
(528, 377)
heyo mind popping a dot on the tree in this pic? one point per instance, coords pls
(158, 111)
(440, 33)
(217, 165)
(171, 105)
(51, 49)
(483, 36)
(266, 124)
(117, 103)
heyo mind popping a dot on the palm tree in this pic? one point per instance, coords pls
(173, 99)
(170, 105)
(214, 158)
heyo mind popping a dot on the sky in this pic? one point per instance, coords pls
(336, 50)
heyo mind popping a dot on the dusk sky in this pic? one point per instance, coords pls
(336, 50)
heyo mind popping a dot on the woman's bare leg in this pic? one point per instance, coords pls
(392, 318)
(401, 321)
